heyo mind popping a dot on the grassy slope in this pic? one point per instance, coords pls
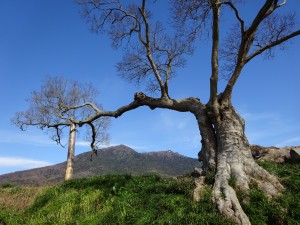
(284, 209)
(143, 200)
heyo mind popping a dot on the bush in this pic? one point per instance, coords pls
(7, 185)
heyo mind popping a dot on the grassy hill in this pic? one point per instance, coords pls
(150, 199)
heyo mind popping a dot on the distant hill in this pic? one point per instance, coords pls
(112, 160)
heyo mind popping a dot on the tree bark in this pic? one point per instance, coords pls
(71, 152)
(207, 155)
(234, 162)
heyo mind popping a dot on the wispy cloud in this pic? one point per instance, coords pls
(21, 162)
(289, 142)
(266, 116)
(25, 138)
(267, 128)
(83, 143)
(37, 139)
(173, 120)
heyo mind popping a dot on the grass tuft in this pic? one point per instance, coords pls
(232, 182)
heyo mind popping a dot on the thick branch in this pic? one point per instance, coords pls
(192, 105)
(246, 42)
(149, 52)
(57, 138)
(140, 99)
(265, 10)
(237, 15)
(215, 55)
(272, 44)
(93, 106)
(42, 124)
(226, 96)
(93, 136)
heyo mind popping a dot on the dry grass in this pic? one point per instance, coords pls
(18, 198)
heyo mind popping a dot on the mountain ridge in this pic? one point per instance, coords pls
(119, 159)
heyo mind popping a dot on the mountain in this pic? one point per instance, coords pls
(118, 159)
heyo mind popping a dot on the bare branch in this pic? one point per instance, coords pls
(266, 10)
(164, 92)
(93, 136)
(191, 17)
(113, 18)
(215, 54)
(67, 108)
(237, 15)
(272, 44)
(140, 99)
(56, 104)
(283, 3)
(153, 57)
(274, 30)
(260, 31)
(58, 136)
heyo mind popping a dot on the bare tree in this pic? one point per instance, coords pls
(47, 110)
(152, 55)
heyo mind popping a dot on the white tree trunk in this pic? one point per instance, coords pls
(71, 152)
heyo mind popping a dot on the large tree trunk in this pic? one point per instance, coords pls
(71, 152)
(233, 163)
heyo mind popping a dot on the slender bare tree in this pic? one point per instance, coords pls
(47, 110)
(152, 54)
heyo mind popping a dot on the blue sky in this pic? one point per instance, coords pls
(49, 37)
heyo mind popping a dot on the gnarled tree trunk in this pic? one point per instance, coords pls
(71, 152)
(225, 147)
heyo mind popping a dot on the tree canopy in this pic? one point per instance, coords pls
(47, 110)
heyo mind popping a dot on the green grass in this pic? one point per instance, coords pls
(284, 209)
(119, 200)
(124, 199)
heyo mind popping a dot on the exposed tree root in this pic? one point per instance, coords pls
(235, 168)
(224, 195)
(267, 182)
(199, 183)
